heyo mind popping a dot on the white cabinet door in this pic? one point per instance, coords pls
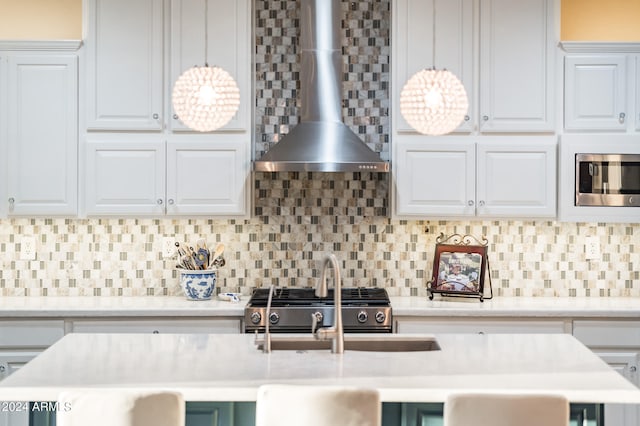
(125, 63)
(228, 46)
(595, 92)
(42, 134)
(125, 176)
(415, 49)
(517, 51)
(207, 177)
(517, 177)
(435, 178)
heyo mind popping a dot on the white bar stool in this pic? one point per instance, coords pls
(486, 409)
(120, 408)
(295, 405)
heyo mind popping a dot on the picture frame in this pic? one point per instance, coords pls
(460, 265)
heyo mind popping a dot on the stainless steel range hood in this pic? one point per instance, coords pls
(321, 142)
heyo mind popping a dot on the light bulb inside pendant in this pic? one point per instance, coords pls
(207, 95)
(433, 99)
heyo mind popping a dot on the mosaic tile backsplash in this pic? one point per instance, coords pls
(298, 217)
(121, 257)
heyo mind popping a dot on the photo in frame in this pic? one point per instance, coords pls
(459, 267)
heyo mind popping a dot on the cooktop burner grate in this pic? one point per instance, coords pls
(306, 296)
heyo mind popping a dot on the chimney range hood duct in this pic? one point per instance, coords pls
(321, 142)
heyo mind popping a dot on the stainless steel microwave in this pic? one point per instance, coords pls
(611, 180)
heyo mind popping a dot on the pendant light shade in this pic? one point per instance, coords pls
(205, 98)
(434, 102)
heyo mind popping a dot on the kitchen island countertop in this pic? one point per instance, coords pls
(217, 367)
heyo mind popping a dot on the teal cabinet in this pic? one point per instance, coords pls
(393, 414)
(221, 413)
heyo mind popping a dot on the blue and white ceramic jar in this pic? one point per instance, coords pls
(198, 285)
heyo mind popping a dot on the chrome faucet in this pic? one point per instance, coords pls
(336, 332)
(266, 339)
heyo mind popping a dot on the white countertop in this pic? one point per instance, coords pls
(216, 367)
(118, 306)
(557, 307)
(170, 306)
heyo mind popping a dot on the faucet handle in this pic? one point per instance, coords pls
(316, 318)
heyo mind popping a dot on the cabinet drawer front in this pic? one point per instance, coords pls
(11, 361)
(482, 326)
(157, 326)
(25, 334)
(608, 333)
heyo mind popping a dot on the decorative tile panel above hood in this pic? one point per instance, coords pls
(365, 54)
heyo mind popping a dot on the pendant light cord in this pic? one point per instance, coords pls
(206, 31)
(433, 40)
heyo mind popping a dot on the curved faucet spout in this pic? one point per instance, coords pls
(336, 332)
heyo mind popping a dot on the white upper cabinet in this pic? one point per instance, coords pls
(126, 58)
(601, 87)
(125, 63)
(140, 158)
(143, 175)
(507, 47)
(517, 177)
(227, 39)
(436, 178)
(458, 176)
(203, 177)
(517, 51)
(595, 92)
(414, 46)
(41, 134)
(125, 175)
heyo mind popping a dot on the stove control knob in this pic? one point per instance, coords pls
(256, 317)
(362, 317)
(274, 318)
(380, 317)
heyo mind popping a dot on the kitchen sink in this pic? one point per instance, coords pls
(369, 343)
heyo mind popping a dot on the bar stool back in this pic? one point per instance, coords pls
(293, 405)
(120, 408)
(506, 410)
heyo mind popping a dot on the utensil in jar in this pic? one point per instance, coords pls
(217, 260)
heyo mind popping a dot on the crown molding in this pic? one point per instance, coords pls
(599, 47)
(47, 45)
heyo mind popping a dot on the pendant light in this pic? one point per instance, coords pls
(434, 102)
(205, 98)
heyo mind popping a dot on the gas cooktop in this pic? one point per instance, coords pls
(364, 309)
